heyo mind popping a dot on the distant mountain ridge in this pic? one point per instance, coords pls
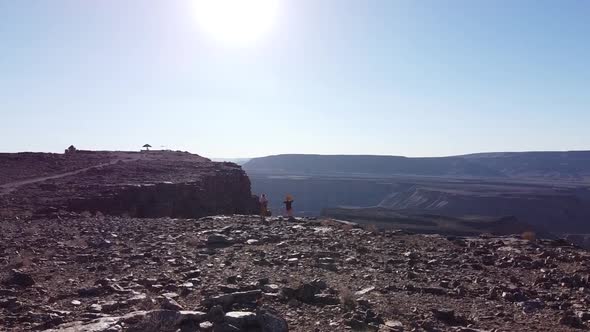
(555, 165)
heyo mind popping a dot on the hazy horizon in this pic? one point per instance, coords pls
(244, 159)
(271, 77)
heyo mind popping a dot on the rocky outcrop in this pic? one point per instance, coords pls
(226, 191)
(154, 184)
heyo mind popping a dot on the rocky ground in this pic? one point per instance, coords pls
(96, 273)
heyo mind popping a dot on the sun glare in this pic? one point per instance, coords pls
(236, 22)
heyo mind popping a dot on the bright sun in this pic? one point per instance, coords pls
(236, 22)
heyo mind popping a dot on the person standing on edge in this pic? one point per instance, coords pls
(263, 206)
(289, 206)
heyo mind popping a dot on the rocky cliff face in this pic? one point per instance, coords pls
(155, 184)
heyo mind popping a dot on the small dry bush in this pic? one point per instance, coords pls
(529, 236)
(347, 227)
(329, 223)
(193, 241)
(347, 298)
(148, 304)
(21, 259)
(372, 228)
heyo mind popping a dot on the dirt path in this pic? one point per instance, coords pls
(7, 188)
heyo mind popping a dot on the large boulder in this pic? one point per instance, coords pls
(271, 321)
(139, 321)
(226, 300)
(241, 318)
(107, 324)
(19, 278)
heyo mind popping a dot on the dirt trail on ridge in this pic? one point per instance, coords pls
(7, 188)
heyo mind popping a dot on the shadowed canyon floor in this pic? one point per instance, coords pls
(549, 191)
(237, 273)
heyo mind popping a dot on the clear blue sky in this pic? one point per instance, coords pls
(416, 78)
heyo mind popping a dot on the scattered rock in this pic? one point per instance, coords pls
(226, 300)
(206, 326)
(95, 308)
(271, 288)
(170, 304)
(393, 326)
(241, 318)
(569, 318)
(219, 240)
(91, 291)
(364, 291)
(445, 315)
